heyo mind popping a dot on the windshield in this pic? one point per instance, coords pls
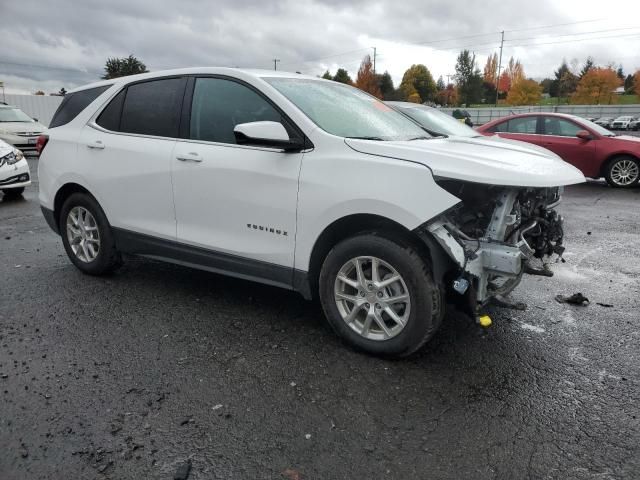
(13, 115)
(346, 111)
(436, 122)
(595, 127)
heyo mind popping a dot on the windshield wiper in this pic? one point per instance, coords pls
(367, 138)
(424, 138)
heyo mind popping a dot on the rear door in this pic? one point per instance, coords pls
(559, 136)
(525, 129)
(236, 201)
(128, 149)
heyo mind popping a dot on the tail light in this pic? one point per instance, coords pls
(41, 143)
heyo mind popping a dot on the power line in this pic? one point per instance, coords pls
(554, 25)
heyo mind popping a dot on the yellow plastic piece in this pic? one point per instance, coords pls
(485, 321)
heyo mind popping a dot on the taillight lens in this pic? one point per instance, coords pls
(41, 143)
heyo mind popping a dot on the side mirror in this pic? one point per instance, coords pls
(266, 134)
(34, 119)
(584, 135)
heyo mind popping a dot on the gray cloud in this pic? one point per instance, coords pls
(65, 43)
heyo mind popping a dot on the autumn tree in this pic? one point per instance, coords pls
(596, 87)
(515, 70)
(342, 76)
(525, 92)
(121, 67)
(468, 78)
(491, 70)
(504, 84)
(39, 92)
(636, 82)
(447, 96)
(418, 79)
(366, 80)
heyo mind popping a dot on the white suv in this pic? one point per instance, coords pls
(302, 183)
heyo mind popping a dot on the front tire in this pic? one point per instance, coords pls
(87, 236)
(379, 295)
(622, 172)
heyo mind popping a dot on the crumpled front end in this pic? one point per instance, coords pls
(493, 237)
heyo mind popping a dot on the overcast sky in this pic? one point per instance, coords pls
(52, 44)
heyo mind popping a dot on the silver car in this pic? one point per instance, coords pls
(19, 129)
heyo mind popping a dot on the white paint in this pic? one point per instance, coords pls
(532, 328)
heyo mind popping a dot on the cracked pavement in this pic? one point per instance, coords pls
(139, 373)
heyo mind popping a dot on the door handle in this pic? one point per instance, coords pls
(96, 144)
(189, 157)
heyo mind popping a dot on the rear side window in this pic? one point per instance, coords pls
(219, 105)
(73, 104)
(153, 108)
(110, 116)
(517, 125)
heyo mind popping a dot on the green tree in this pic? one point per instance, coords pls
(327, 75)
(545, 84)
(588, 65)
(121, 67)
(440, 84)
(385, 82)
(468, 78)
(620, 73)
(565, 82)
(418, 79)
(628, 84)
(342, 76)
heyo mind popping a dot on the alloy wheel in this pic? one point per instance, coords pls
(624, 172)
(83, 234)
(372, 298)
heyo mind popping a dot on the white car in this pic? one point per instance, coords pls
(14, 171)
(302, 183)
(622, 123)
(19, 129)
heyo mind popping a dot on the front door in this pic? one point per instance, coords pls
(560, 137)
(236, 202)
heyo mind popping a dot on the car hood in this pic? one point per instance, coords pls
(478, 160)
(29, 127)
(5, 148)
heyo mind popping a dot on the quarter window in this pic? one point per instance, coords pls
(153, 108)
(560, 127)
(219, 105)
(110, 116)
(74, 103)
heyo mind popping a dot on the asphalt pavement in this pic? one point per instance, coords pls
(161, 371)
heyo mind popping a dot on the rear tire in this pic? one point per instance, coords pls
(87, 236)
(622, 172)
(401, 316)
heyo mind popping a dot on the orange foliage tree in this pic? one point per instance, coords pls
(504, 84)
(636, 82)
(525, 92)
(447, 96)
(366, 79)
(596, 87)
(491, 69)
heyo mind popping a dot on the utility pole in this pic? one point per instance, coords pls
(374, 60)
(275, 63)
(499, 67)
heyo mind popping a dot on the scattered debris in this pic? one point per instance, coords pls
(575, 299)
(183, 470)
(293, 384)
(588, 233)
(608, 305)
(186, 420)
(308, 436)
(216, 407)
(291, 474)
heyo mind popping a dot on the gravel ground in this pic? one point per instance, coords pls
(158, 370)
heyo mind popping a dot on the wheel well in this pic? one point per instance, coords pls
(605, 164)
(62, 194)
(349, 226)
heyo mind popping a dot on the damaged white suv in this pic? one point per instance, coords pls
(301, 183)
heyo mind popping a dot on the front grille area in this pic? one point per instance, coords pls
(23, 177)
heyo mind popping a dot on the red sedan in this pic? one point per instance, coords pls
(596, 151)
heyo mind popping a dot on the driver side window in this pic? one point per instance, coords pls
(560, 127)
(218, 105)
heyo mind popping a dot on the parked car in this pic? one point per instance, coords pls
(593, 149)
(634, 124)
(14, 170)
(19, 129)
(439, 124)
(604, 122)
(622, 123)
(301, 183)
